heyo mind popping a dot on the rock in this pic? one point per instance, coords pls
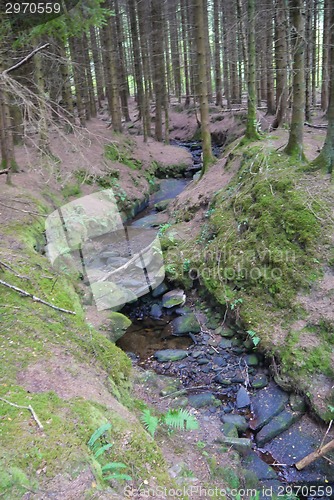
(230, 430)
(297, 403)
(237, 420)
(159, 290)
(170, 355)
(201, 400)
(119, 324)
(185, 324)
(225, 343)
(196, 354)
(108, 254)
(173, 298)
(252, 360)
(225, 332)
(243, 398)
(267, 403)
(276, 426)
(203, 361)
(242, 445)
(87, 298)
(196, 176)
(259, 381)
(156, 311)
(262, 470)
(162, 205)
(219, 361)
(221, 380)
(181, 311)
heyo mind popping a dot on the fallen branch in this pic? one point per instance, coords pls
(25, 59)
(24, 211)
(2, 264)
(4, 171)
(322, 125)
(30, 408)
(314, 455)
(34, 298)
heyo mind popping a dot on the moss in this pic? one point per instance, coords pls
(70, 190)
(122, 154)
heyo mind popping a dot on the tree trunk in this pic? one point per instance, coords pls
(67, 98)
(326, 158)
(142, 21)
(325, 56)
(185, 51)
(314, 455)
(121, 61)
(226, 66)
(96, 53)
(136, 56)
(218, 78)
(202, 85)
(89, 78)
(269, 59)
(158, 66)
(78, 79)
(43, 136)
(308, 60)
(174, 44)
(281, 61)
(295, 144)
(251, 127)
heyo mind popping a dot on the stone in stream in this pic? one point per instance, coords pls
(225, 332)
(276, 426)
(181, 311)
(170, 355)
(243, 399)
(237, 420)
(156, 311)
(259, 381)
(242, 445)
(173, 298)
(219, 361)
(201, 400)
(262, 470)
(185, 324)
(230, 430)
(219, 379)
(162, 205)
(119, 324)
(225, 343)
(160, 290)
(297, 403)
(267, 403)
(252, 360)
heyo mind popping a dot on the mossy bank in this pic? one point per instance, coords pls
(262, 251)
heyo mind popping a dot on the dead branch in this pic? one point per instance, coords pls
(34, 298)
(322, 125)
(30, 408)
(4, 171)
(25, 59)
(6, 266)
(304, 462)
(24, 211)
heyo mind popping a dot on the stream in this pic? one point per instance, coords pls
(271, 428)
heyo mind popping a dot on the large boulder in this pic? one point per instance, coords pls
(173, 298)
(186, 324)
(119, 324)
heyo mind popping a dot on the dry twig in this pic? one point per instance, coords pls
(30, 408)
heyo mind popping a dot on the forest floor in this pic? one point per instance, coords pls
(44, 183)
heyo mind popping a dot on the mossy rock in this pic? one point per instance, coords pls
(119, 324)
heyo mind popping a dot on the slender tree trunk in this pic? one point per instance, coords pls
(269, 59)
(326, 158)
(202, 84)
(78, 79)
(174, 44)
(158, 66)
(97, 65)
(67, 97)
(185, 51)
(251, 127)
(89, 78)
(143, 22)
(281, 60)
(325, 56)
(308, 60)
(295, 144)
(121, 62)
(314, 53)
(217, 39)
(226, 66)
(43, 135)
(136, 56)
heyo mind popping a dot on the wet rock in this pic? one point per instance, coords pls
(243, 399)
(162, 205)
(203, 361)
(119, 324)
(262, 470)
(225, 332)
(297, 403)
(242, 445)
(156, 311)
(87, 298)
(276, 426)
(196, 176)
(206, 369)
(170, 355)
(109, 254)
(230, 430)
(160, 290)
(259, 381)
(225, 343)
(219, 379)
(219, 361)
(237, 420)
(196, 354)
(173, 298)
(237, 380)
(252, 360)
(267, 403)
(186, 324)
(201, 400)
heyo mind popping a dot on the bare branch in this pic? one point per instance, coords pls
(34, 298)
(4, 171)
(25, 59)
(30, 408)
(24, 211)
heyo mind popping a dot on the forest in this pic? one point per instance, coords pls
(179, 340)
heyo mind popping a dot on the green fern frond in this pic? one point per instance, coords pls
(101, 450)
(118, 477)
(181, 419)
(149, 421)
(98, 433)
(113, 466)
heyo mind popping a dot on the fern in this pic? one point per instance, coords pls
(101, 450)
(98, 433)
(174, 419)
(150, 422)
(181, 419)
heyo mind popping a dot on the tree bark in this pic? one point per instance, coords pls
(251, 127)
(281, 61)
(295, 144)
(325, 56)
(314, 455)
(217, 39)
